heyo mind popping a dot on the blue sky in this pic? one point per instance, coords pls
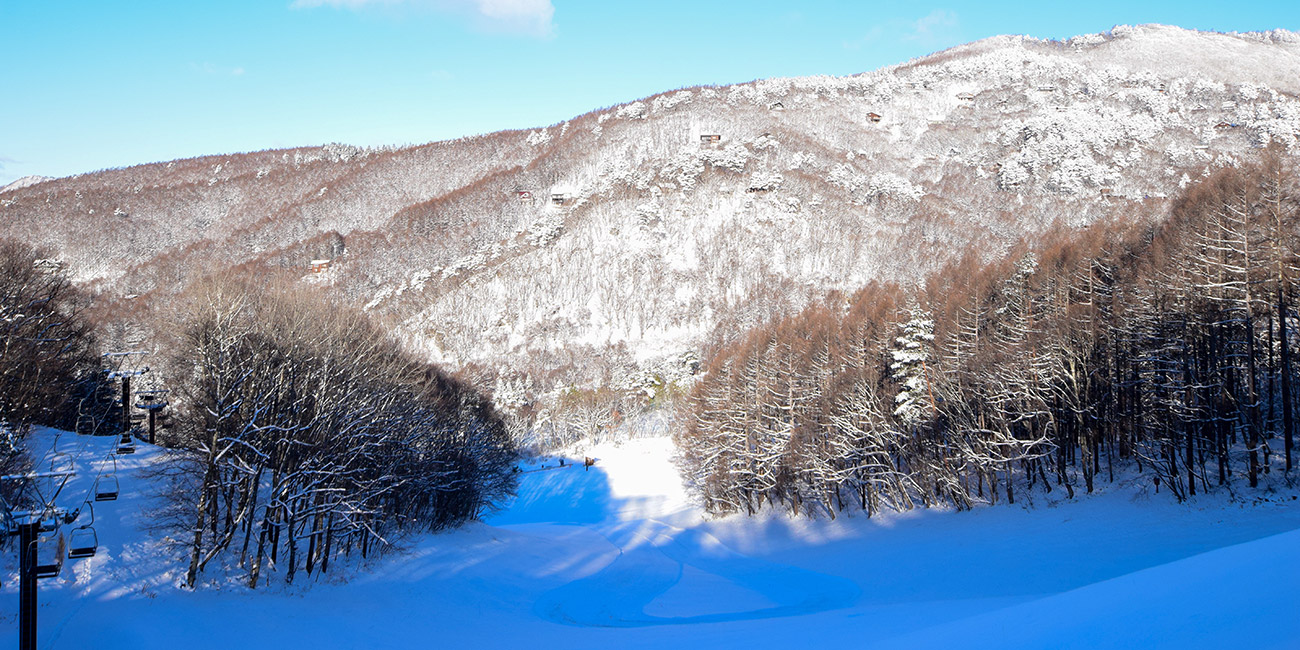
(91, 85)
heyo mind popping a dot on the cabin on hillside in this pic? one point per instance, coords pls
(319, 266)
(559, 198)
(776, 106)
(710, 138)
(966, 98)
(524, 196)
(874, 118)
(1107, 193)
(48, 265)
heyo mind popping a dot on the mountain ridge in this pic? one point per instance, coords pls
(662, 240)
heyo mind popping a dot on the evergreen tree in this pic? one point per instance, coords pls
(912, 357)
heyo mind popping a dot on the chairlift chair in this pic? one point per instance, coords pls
(60, 461)
(49, 555)
(106, 488)
(83, 541)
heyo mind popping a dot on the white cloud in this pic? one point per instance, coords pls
(938, 25)
(217, 70)
(533, 17)
(351, 4)
(937, 28)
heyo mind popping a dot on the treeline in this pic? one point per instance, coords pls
(49, 364)
(1160, 346)
(307, 433)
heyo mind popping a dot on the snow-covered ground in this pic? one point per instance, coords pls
(616, 556)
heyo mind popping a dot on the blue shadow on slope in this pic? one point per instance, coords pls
(568, 494)
(652, 558)
(619, 595)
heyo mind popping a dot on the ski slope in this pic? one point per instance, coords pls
(616, 556)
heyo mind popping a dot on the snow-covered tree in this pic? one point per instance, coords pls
(912, 354)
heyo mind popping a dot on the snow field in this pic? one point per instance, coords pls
(616, 556)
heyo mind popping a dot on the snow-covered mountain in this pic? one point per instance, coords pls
(26, 181)
(614, 245)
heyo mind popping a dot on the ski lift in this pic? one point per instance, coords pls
(126, 445)
(83, 541)
(49, 555)
(106, 488)
(59, 460)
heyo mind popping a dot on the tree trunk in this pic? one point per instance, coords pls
(1288, 425)
(196, 550)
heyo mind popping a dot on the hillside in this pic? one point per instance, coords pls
(663, 237)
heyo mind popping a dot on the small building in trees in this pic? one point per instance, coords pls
(966, 98)
(524, 196)
(563, 194)
(319, 266)
(874, 118)
(776, 106)
(710, 138)
(48, 265)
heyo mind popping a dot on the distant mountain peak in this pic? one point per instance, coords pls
(26, 181)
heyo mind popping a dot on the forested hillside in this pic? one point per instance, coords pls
(1161, 348)
(610, 249)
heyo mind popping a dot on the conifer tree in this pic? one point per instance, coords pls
(912, 357)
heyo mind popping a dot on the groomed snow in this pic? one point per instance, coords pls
(616, 556)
